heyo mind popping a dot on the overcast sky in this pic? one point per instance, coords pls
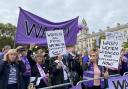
(98, 13)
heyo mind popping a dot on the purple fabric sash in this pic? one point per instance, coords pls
(42, 73)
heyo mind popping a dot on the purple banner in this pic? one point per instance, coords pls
(31, 29)
(76, 87)
(120, 82)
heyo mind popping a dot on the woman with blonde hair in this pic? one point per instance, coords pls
(11, 70)
(93, 70)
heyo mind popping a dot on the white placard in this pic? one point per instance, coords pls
(116, 36)
(32, 79)
(56, 43)
(109, 53)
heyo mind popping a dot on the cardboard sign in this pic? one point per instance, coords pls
(120, 82)
(116, 36)
(56, 43)
(109, 53)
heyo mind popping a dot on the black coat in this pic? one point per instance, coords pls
(4, 73)
(73, 64)
(36, 73)
(74, 67)
(57, 76)
(34, 69)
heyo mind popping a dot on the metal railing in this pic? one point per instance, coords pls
(56, 86)
(126, 73)
(97, 78)
(66, 84)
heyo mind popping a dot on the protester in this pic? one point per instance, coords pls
(38, 68)
(59, 73)
(92, 70)
(4, 51)
(71, 60)
(114, 71)
(125, 61)
(23, 56)
(11, 71)
(80, 54)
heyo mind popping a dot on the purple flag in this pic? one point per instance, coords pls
(120, 82)
(31, 29)
(76, 87)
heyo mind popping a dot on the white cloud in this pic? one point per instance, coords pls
(98, 13)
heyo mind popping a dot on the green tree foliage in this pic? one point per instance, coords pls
(125, 45)
(6, 41)
(7, 33)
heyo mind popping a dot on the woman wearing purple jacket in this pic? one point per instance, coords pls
(93, 71)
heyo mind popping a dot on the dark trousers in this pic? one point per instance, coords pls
(12, 86)
(26, 80)
(66, 87)
(94, 87)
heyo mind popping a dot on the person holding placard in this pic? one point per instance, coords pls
(39, 71)
(92, 70)
(59, 74)
(124, 61)
(119, 70)
(72, 61)
(113, 71)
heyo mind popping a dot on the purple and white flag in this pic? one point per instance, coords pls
(31, 29)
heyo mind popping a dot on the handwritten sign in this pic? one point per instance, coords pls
(56, 43)
(109, 53)
(117, 36)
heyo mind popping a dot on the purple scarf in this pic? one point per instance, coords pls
(42, 73)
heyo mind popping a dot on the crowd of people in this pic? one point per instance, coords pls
(24, 68)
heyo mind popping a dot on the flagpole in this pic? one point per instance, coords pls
(14, 45)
